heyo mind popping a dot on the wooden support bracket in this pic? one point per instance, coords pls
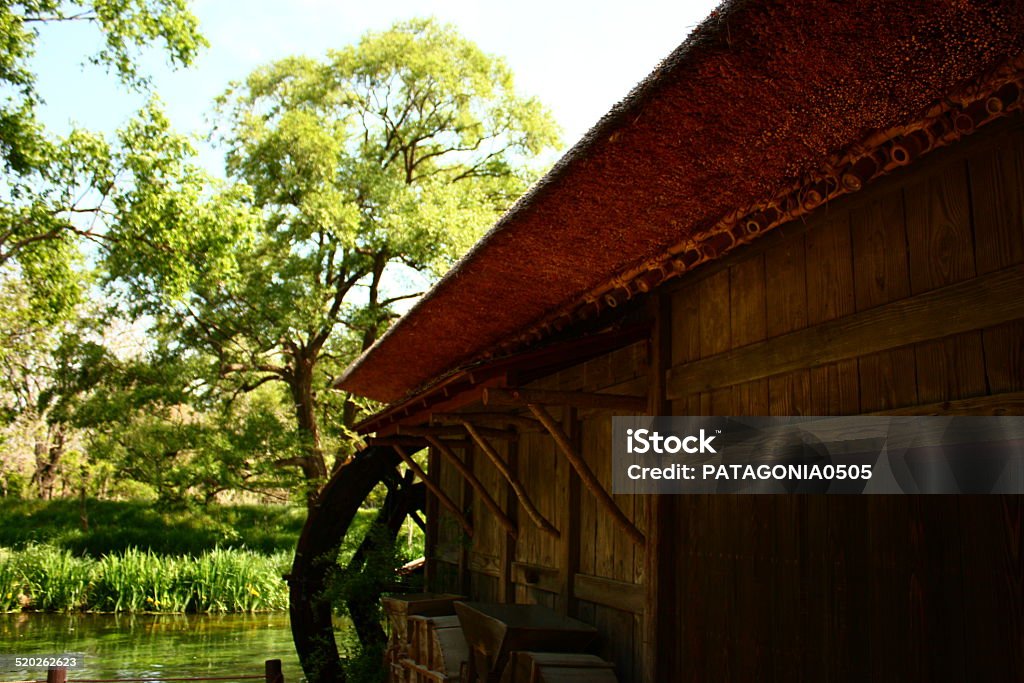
(586, 475)
(477, 485)
(511, 478)
(442, 497)
(632, 405)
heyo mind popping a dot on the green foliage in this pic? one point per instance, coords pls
(53, 579)
(42, 577)
(116, 526)
(59, 192)
(12, 583)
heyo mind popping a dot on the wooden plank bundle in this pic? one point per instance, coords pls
(409, 647)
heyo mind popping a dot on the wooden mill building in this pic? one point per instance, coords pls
(809, 208)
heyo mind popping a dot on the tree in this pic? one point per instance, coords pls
(59, 193)
(386, 158)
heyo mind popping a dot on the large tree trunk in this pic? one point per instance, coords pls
(49, 452)
(312, 463)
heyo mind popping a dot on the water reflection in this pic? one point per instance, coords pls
(137, 646)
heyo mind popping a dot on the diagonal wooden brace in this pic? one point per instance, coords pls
(442, 497)
(513, 481)
(586, 475)
(477, 485)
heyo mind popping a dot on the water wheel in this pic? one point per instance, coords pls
(317, 550)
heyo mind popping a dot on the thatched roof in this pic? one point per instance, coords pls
(761, 94)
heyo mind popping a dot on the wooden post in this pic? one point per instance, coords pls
(511, 478)
(430, 534)
(586, 475)
(436, 489)
(507, 587)
(475, 482)
(56, 675)
(569, 551)
(660, 618)
(272, 671)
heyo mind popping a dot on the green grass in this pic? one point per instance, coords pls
(45, 578)
(116, 526)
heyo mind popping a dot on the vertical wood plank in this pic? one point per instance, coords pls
(888, 380)
(829, 269)
(950, 368)
(714, 314)
(786, 286)
(997, 198)
(1004, 357)
(939, 228)
(879, 242)
(747, 301)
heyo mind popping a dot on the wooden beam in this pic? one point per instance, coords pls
(436, 489)
(454, 430)
(620, 595)
(511, 478)
(634, 405)
(416, 442)
(586, 475)
(969, 305)
(509, 419)
(1011, 403)
(410, 441)
(477, 485)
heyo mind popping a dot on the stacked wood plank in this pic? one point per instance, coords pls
(437, 649)
(426, 642)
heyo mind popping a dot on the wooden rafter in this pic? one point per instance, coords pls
(586, 475)
(436, 489)
(633, 405)
(524, 498)
(477, 485)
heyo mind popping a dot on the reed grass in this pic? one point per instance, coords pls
(42, 577)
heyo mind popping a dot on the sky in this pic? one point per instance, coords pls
(579, 57)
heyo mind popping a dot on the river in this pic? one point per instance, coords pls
(158, 646)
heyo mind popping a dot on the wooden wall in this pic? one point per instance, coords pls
(881, 588)
(908, 296)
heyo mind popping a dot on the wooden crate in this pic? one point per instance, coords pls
(557, 667)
